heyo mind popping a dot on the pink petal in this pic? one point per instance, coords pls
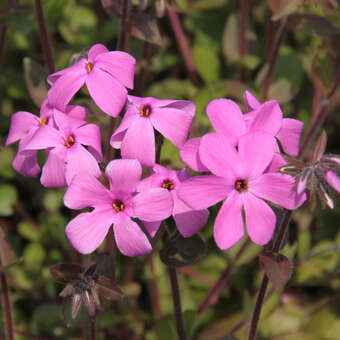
(77, 111)
(226, 118)
(152, 227)
(153, 102)
(66, 86)
(220, 157)
(250, 101)
(228, 229)
(130, 239)
(106, 91)
(188, 221)
(45, 137)
(123, 175)
(260, 219)
(268, 118)
(151, 205)
(53, 172)
(190, 155)
(184, 105)
(66, 123)
(120, 65)
(26, 164)
(275, 187)
(256, 150)
(87, 231)
(173, 124)
(21, 123)
(139, 142)
(277, 162)
(95, 51)
(289, 135)
(79, 160)
(86, 191)
(52, 78)
(89, 135)
(201, 192)
(333, 180)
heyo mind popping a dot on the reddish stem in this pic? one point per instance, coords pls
(44, 37)
(3, 34)
(243, 37)
(6, 305)
(183, 45)
(197, 275)
(273, 57)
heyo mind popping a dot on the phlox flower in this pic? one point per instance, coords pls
(67, 155)
(135, 135)
(227, 119)
(25, 124)
(116, 206)
(105, 73)
(238, 176)
(188, 221)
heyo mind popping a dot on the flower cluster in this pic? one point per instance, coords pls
(242, 158)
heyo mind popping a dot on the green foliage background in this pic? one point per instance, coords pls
(34, 217)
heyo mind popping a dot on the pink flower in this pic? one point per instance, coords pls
(333, 180)
(188, 221)
(238, 176)
(228, 121)
(115, 206)
(24, 125)
(135, 135)
(66, 153)
(106, 74)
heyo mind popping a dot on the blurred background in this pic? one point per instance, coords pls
(189, 49)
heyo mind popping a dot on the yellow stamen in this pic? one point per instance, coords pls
(241, 185)
(168, 185)
(145, 111)
(89, 67)
(118, 206)
(70, 141)
(42, 121)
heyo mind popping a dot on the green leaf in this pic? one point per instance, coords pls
(28, 231)
(190, 321)
(8, 197)
(165, 328)
(53, 200)
(231, 40)
(6, 158)
(207, 63)
(179, 251)
(6, 251)
(282, 8)
(277, 268)
(34, 255)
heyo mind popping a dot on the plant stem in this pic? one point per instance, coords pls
(93, 330)
(243, 37)
(44, 37)
(273, 57)
(221, 283)
(183, 45)
(3, 34)
(154, 289)
(144, 65)
(6, 305)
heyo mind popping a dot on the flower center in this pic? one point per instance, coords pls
(89, 67)
(118, 205)
(241, 185)
(69, 142)
(145, 110)
(167, 184)
(42, 121)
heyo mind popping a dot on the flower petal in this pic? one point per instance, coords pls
(52, 78)
(152, 227)
(123, 175)
(250, 101)
(26, 163)
(151, 205)
(89, 135)
(188, 221)
(289, 135)
(333, 180)
(130, 239)
(79, 160)
(268, 118)
(226, 118)
(106, 91)
(87, 231)
(45, 137)
(139, 142)
(229, 229)
(67, 85)
(21, 123)
(66, 123)
(220, 157)
(275, 187)
(53, 172)
(95, 51)
(120, 65)
(173, 124)
(201, 192)
(190, 155)
(260, 219)
(256, 150)
(77, 111)
(184, 105)
(86, 191)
